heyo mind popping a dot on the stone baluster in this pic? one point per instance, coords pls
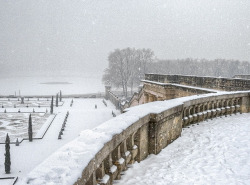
(238, 105)
(132, 148)
(220, 107)
(205, 110)
(223, 108)
(195, 116)
(209, 107)
(110, 169)
(199, 113)
(227, 108)
(218, 110)
(185, 118)
(190, 116)
(92, 180)
(125, 153)
(233, 106)
(146, 98)
(230, 104)
(118, 161)
(102, 178)
(213, 111)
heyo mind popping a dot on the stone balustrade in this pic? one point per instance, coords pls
(113, 98)
(154, 131)
(224, 84)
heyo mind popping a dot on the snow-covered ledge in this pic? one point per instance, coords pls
(100, 154)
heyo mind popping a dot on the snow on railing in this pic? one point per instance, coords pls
(99, 155)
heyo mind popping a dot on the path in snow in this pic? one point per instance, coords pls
(82, 115)
(213, 152)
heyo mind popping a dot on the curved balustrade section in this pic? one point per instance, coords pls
(161, 123)
(99, 156)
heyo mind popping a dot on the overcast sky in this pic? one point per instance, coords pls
(37, 35)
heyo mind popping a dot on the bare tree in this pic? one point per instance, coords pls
(127, 67)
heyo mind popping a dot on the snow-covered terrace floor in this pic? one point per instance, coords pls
(213, 152)
(184, 86)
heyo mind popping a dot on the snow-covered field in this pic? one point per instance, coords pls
(40, 85)
(82, 115)
(213, 152)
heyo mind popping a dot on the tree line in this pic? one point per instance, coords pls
(127, 67)
(201, 67)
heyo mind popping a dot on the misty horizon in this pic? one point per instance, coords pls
(59, 37)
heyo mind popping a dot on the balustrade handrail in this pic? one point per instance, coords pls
(98, 159)
(221, 83)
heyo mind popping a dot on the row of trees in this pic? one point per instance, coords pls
(201, 67)
(127, 67)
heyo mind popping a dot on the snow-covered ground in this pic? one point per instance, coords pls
(213, 152)
(82, 115)
(40, 85)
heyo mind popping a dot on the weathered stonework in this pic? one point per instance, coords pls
(242, 76)
(152, 91)
(225, 84)
(154, 132)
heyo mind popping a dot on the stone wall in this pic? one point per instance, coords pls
(154, 131)
(153, 91)
(112, 97)
(242, 76)
(225, 84)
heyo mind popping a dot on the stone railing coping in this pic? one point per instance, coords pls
(184, 86)
(82, 155)
(228, 78)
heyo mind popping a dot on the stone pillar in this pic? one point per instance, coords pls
(152, 137)
(132, 148)
(146, 98)
(141, 141)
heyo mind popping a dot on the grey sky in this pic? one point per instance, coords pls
(62, 35)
